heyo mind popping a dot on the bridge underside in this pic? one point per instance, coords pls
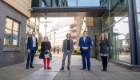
(68, 12)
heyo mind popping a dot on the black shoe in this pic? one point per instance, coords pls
(27, 67)
(61, 69)
(31, 66)
(104, 70)
(82, 68)
(68, 68)
(88, 69)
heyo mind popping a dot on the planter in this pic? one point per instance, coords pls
(78, 52)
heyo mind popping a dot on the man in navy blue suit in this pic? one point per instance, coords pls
(85, 44)
(32, 46)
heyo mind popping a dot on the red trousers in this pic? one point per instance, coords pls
(48, 63)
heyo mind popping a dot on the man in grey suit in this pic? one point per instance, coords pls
(67, 50)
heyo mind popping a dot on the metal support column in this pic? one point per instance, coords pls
(132, 30)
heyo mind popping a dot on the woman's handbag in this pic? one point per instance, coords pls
(46, 55)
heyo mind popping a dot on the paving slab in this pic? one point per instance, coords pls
(18, 71)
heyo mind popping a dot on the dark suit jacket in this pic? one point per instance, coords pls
(30, 43)
(87, 43)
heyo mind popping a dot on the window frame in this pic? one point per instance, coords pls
(11, 40)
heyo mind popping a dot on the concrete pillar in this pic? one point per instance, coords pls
(92, 31)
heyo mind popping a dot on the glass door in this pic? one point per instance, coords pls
(115, 46)
(97, 46)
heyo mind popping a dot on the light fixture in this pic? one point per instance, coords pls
(29, 8)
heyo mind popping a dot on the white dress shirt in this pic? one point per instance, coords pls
(84, 39)
(34, 41)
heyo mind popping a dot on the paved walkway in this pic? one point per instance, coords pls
(115, 72)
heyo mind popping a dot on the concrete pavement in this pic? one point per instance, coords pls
(18, 71)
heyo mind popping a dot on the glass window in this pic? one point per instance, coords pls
(8, 31)
(138, 5)
(88, 3)
(35, 3)
(68, 3)
(28, 28)
(103, 2)
(46, 3)
(118, 10)
(118, 3)
(15, 33)
(71, 3)
(139, 23)
(121, 41)
(105, 22)
(11, 32)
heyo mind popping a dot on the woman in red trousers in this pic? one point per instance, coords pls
(45, 52)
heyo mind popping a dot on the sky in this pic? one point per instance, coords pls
(54, 21)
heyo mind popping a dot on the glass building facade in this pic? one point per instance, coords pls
(116, 24)
(123, 31)
(120, 23)
(68, 3)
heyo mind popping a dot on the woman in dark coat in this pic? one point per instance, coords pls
(104, 51)
(45, 52)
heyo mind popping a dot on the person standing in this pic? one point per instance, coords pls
(45, 52)
(54, 49)
(32, 46)
(85, 44)
(120, 50)
(104, 51)
(67, 50)
(58, 49)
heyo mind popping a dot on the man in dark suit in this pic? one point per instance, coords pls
(67, 50)
(85, 44)
(32, 46)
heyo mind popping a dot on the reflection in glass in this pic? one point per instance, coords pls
(88, 3)
(71, 3)
(55, 3)
(11, 32)
(68, 3)
(15, 33)
(138, 5)
(118, 3)
(121, 41)
(105, 22)
(35, 3)
(118, 10)
(139, 23)
(46, 3)
(8, 32)
(103, 2)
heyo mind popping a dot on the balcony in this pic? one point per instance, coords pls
(73, 29)
(74, 40)
(73, 35)
(73, 32)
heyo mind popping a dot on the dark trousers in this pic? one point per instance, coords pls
(85, 53)
(104, 62)
(31, 57)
